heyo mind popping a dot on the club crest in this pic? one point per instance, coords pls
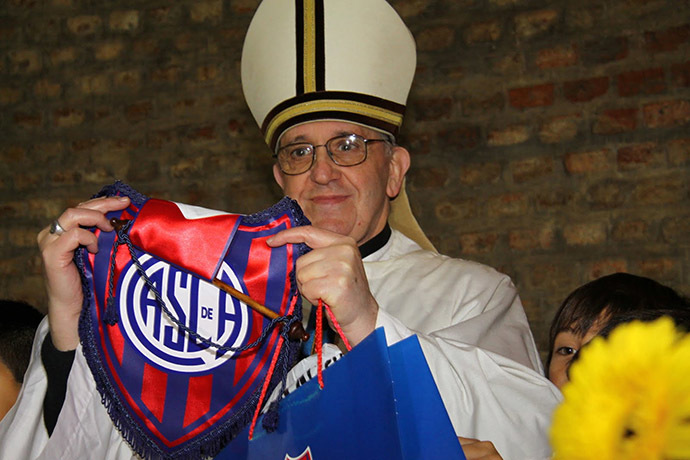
(203, 308)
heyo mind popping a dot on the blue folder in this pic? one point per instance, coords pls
(378, 402)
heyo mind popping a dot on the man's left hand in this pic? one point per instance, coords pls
(333, 271)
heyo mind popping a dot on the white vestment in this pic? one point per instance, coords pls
(473, 332)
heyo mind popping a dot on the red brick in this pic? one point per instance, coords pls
(533, 23)
(158, 139)
(124, 21)
(679, 152)
(530, 239)
(453, 210)
(139, 111)
(586, 89)
(47, 89)
(531, 169)
(249, 6)
(9, 96)
(486, 31)
(93, 84)
(550, 276)
(648, 81)
(480, 173)
(553, 200)
(680, 74)
(647, 155)
(187, 167)
(84, 145)
(591, 161)
(510, 135)
(169, 74)
(658, 269)
(587, 234)
(27, 120)
(165, 15)
(63, 56)
(607, 267)
(508, 204)
(206, 11)
(658, 191)
(425, 178)
(432, 109)
(509, 64)
(66, 118)
(462, 137)
(676, 230)
(560, 56)
(616, 121)
(435, 38)
(207, 73)
(531, 96)
(603, 50)
(13, 153)
(482, 104)
(666, 113)
(202, 134)
(630, 231)
(559, 129)
(130, 79)
(478, 243)
(668, 39)
(108, 51)
(84, 25)
(27, 61)
(607, 194)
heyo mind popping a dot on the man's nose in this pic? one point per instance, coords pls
(324, 169)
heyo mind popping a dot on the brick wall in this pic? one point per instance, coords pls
(549, 139)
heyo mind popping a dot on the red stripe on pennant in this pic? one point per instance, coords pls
(255, 279)
(117, 341)
(153, 390)
(198, 398)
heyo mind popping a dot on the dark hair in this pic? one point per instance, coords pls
(618, 295)
(18, 323)
(681, 318)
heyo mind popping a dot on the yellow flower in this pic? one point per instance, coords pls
(628, 397)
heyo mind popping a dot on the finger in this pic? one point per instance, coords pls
(61, 250)
(105, 204)
(311, 236)
(90, 214)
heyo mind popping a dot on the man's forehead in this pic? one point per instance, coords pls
(323, 130)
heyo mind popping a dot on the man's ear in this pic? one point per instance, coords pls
(397, 168)
(278, 175)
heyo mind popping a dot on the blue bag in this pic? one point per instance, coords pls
(378, 402)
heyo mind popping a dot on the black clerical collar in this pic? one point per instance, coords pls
(376, 242)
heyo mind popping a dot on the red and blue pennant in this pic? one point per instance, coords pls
(181, 365)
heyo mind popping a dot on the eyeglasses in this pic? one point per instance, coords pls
(345, 150)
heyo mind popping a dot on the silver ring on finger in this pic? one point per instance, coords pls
(56, 228)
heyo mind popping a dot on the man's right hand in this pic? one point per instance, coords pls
(479, 450)
(63, 283)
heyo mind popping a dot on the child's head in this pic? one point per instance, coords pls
(597, 306)
(18, 323)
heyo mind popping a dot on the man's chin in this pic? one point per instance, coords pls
(333, 225)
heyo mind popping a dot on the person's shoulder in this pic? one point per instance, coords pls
(405, 253)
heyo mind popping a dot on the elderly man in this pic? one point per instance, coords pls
(327, 81)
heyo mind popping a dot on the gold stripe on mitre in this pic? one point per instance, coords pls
(355, 107)
(309, 51)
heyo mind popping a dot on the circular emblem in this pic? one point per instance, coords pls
(199, 305)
